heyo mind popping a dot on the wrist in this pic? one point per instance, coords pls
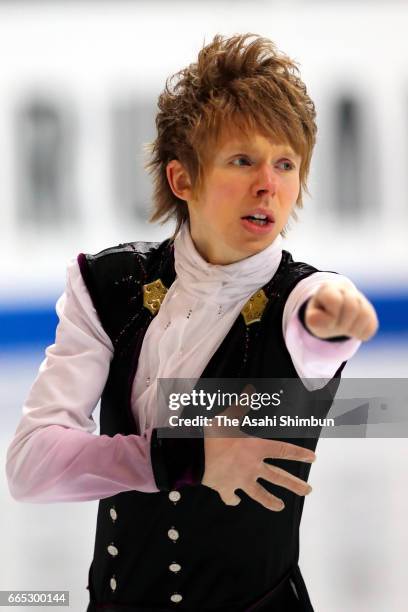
(176, 462)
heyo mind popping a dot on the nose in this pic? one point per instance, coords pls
(266, 180)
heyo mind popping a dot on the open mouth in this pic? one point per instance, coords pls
(258, 219)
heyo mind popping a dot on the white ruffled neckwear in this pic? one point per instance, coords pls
(197, 312)
(222, 284)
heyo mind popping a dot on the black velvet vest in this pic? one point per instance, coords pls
(229, 556)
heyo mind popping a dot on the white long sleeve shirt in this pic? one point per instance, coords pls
(54, 456)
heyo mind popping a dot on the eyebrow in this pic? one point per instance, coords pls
(236, 146)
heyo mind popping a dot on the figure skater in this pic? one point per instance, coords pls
(185, 523)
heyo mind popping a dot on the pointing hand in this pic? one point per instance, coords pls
(340, 310)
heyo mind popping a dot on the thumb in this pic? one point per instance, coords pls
(317, 316)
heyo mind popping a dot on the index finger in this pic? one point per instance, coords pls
(286, 450)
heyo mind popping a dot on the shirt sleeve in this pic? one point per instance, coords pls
(316, 361)
(54, 455)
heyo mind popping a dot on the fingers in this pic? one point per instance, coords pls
(281, 478)
(340, 307)
(365, 324)
(230, 499)
(275, 449)
(259, 494)
(285, 479)
(237, 464)
(337, 310)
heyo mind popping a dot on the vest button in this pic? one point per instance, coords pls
(112, 550)
(174, 496)
(113, 514)
(173, 534)
(176, 597)
(113, 583)
(174, 567)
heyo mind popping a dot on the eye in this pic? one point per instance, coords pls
(286, 164)
(241, 158)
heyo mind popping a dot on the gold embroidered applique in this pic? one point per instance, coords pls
(153, 295)
(254, 308)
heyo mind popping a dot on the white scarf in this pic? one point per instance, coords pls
(197, 312)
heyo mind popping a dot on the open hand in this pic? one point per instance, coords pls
(237, 462)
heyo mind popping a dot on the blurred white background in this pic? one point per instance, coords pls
(78, 87)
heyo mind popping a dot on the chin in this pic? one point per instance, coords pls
(253, 249)
(261, 243)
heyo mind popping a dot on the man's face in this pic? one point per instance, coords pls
(244, 178)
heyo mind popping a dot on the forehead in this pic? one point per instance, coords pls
(237, 141)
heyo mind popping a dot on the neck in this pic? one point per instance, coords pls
(222, 256)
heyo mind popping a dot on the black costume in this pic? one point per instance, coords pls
(183, 548)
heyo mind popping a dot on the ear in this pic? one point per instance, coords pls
(179, 180)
